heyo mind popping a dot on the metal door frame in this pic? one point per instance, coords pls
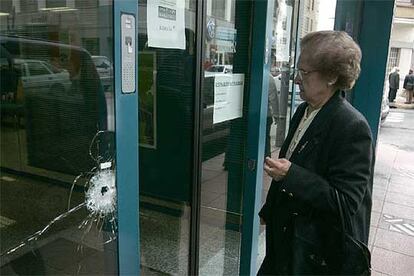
(126, 123)
(126, 135)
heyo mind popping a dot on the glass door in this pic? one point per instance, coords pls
(236, 55)
(196, 103)
(166, 85)
(226, 62)
(58, 190)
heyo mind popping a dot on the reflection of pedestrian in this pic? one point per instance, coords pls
(328, 150)
(394, 83)
(409, 86)
(272, 112)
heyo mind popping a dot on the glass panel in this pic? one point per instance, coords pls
(280, 77)
(313, 16)
(310, 16)
(57, 213)
(226, 65)
(166, 99)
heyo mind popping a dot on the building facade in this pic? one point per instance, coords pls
(401, 53)
(133, 132)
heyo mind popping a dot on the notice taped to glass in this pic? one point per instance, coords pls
(165, 24)
(228, 97)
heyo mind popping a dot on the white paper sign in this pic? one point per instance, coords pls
(228, 97)
(283, 29)
(165, 24)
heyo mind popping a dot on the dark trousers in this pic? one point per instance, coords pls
(392, 94)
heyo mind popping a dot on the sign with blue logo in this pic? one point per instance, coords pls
(211, 29)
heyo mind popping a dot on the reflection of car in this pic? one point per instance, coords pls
(59, 125)
(385, 109)
(38, 75)
(218, 69)
(105, 70)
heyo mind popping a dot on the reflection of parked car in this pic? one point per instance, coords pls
(38, 75)
(59, 124)
(218, 69)
(385, 109)
(105, 70)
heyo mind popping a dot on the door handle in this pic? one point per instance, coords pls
(251, 164)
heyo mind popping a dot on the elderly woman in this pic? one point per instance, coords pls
(328, 148)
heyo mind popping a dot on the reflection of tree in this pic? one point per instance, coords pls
(146, 88)
(146, 118)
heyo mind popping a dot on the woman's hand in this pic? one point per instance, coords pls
(277, 168)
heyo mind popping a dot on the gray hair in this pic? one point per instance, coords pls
(335, 55)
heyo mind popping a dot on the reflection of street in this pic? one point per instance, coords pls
(110, 109)
(32, 204)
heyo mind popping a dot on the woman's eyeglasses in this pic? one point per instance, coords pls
(302, 73)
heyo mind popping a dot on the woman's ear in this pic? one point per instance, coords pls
(332, 81)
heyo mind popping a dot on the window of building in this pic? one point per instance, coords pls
(37, 69)
(55, 3)
(28, 5)
(219, 9)
(313, 4)
(6, 6)
(306, 26)
(393, 59)
(86, 4)
(91, 44)
(311, 25)
(405, 2)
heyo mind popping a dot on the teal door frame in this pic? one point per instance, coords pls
(126, 125)
(369, 23)
(256, 130)
(126, 135)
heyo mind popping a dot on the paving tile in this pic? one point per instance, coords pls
(216, 185)
(400, 199)
(62, 253)
(380, 183)
(31, 263)
(401, 188)
(375, 217)
(208, 174)
(377, 205)
(395, 242)
(100, 264)
(391, 263)
(378, 193)
(219, 203)
(207, 197)
(372, 235)
(387, 221)
(398, 210)
(403, 177)
(218, 264)
(377, 273)
(215, 163)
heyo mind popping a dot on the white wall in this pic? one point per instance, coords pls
(403, 33)
(405, 62)
(402, 37)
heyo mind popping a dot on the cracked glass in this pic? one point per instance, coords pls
(58, 191)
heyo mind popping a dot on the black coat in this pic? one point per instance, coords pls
(335, 152)
(394, 80)
(408, 79)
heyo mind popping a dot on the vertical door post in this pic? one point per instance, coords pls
(256, 130)
(126, 126)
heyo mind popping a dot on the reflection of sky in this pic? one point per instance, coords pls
(326, 14)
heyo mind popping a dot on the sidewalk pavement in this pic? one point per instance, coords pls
(400, 103)
(392, 220)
